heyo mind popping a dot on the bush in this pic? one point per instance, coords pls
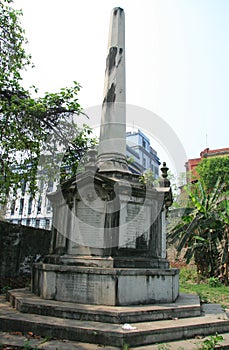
(214, 282)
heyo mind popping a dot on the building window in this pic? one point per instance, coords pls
(39, 206)
(41, 184)
(50, 186)
(37, 223)
(143, 143)
(28, 222)
(144, 162)
(12, 207)
(23, 187)
(21, 206)
(30, 205)
(47, 224)
(49, 207)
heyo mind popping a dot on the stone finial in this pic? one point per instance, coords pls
(91, 163)
(164, 170)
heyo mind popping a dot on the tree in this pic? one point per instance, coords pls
(210, 169)
(224, 216)
(203, 230)
(30, 126)
(72, 161)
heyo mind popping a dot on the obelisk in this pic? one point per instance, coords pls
(108, 237)
(112, 146)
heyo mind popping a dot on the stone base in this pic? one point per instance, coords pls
(186, 305)
(105, 286)
(91, 324)
(107, 262)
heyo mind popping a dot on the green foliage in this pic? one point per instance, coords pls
(28, 346)
(210, 169)
(167, 347)
(214, 282)
(5, 289)
(190, 283)
(203, 297)
(147, 178)
(163, 347)
(188, 274)
(130, 160)
(13, 55)
(203, 231)
(211, 342)
(75, 152)
(13, 283)
(31, 126)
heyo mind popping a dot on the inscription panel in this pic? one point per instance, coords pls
(134, 223)
(86, 288)
(78, 288)
(88, 225)
(60, 224)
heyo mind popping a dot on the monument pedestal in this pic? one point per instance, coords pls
(108, 244)
(123, 258)
(105, 286)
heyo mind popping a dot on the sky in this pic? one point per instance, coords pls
(177, 61)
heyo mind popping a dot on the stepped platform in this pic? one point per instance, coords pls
(17, 341)
(27, 302)
(91, 327)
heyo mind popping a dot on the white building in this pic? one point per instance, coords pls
(139, 149)
(29, 211)
(37, 211)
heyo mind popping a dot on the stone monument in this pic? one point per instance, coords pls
(108, 238)
(108, 249)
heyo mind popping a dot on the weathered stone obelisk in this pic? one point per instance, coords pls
(112, 146)
(109, 240)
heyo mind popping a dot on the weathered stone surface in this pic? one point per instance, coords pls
(105, 286)
(186, 305)
(110, 219)
(112, 146)
(106, 333)
(18, 341)
(20, 246)
(109, 213)
(91, 223)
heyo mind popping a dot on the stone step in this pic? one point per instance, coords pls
(13, 341)
(188, 344)
(112, 334)
(23, 300)
(17, 341)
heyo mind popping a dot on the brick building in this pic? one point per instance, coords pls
(191, 164)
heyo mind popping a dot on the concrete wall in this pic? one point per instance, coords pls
(20, 246)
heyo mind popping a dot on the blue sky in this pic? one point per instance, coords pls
(177, 59)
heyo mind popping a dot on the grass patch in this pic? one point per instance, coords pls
(209, 291)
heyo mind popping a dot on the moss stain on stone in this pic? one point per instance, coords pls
(111, 95)
(111, 59)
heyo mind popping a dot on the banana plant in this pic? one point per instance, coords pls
(201, 233)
